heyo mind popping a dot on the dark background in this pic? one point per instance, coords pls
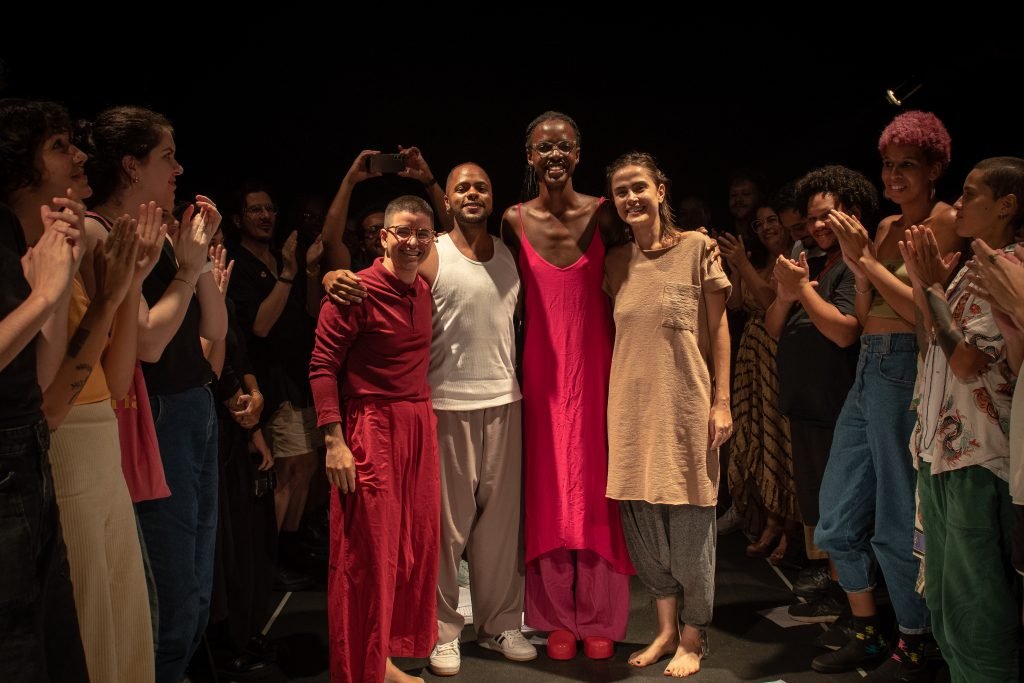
(292, 104)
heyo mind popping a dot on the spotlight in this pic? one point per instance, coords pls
(902, 92)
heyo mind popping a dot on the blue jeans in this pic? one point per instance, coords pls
(869, 480)
(180, 531)
(39, 632)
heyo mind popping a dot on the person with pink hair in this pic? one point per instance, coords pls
(869, 480)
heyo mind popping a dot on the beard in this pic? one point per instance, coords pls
(464, 219)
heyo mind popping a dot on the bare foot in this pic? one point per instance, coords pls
(779, 554)
(395, 675)
(662, 646)
(686, 661)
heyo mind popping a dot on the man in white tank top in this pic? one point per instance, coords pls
(475, 286)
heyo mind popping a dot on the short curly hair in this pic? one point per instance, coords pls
(24, 126)
(920, 129)
(851, 189)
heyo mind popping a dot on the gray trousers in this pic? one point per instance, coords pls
(673, 552)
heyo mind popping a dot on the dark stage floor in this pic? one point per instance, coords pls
(745, 646)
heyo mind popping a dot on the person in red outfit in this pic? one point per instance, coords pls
(381, 458)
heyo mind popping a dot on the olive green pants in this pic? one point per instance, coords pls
(970, 586)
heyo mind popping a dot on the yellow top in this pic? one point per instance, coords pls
(880, 308)
(96, 387)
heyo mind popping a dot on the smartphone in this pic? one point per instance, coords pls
(385, 163)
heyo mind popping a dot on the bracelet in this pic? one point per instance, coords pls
(287, 281)
(431, 182)
(190, 285)
(863, 291)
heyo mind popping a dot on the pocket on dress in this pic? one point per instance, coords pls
(679, 303)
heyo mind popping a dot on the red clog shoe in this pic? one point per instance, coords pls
(561, 645)
(597, 647)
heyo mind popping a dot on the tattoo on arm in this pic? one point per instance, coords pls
(947, 333)
(77, 341)
(79, 384)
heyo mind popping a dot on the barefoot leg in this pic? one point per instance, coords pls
(667, 639)
(686, 661)
(395, 675)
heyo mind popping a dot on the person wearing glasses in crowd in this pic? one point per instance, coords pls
(272, 298)
(362, 242)
(381, 457)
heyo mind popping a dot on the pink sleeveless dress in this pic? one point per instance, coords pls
(566, 363)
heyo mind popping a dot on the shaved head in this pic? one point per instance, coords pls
(457, 171)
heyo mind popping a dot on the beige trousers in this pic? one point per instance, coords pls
(98, 521)
(481, 484)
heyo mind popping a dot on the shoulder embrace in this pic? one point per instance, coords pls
(510, 220)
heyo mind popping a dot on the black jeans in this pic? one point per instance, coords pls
(39, 635)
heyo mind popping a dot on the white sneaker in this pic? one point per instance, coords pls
(512, 644)
(445, 659)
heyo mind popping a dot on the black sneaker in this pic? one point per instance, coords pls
(288, 580)
(822, 610)
(839, 632)
(813, 581)
(856, 653)
(905, 665)
(244, 667)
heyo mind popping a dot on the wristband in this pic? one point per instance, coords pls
(190, 285)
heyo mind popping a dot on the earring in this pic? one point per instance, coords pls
(135, 178)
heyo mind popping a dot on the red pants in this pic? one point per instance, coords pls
(384, 541)
(578, 591)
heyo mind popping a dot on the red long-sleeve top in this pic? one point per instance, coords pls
(379, 349)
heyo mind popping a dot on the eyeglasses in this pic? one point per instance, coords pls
(547, 148)
(771, 221)
(260, 208)
(405, 233)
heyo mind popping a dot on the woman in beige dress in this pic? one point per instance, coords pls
(668, 408)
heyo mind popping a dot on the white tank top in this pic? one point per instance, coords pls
(473, 352)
